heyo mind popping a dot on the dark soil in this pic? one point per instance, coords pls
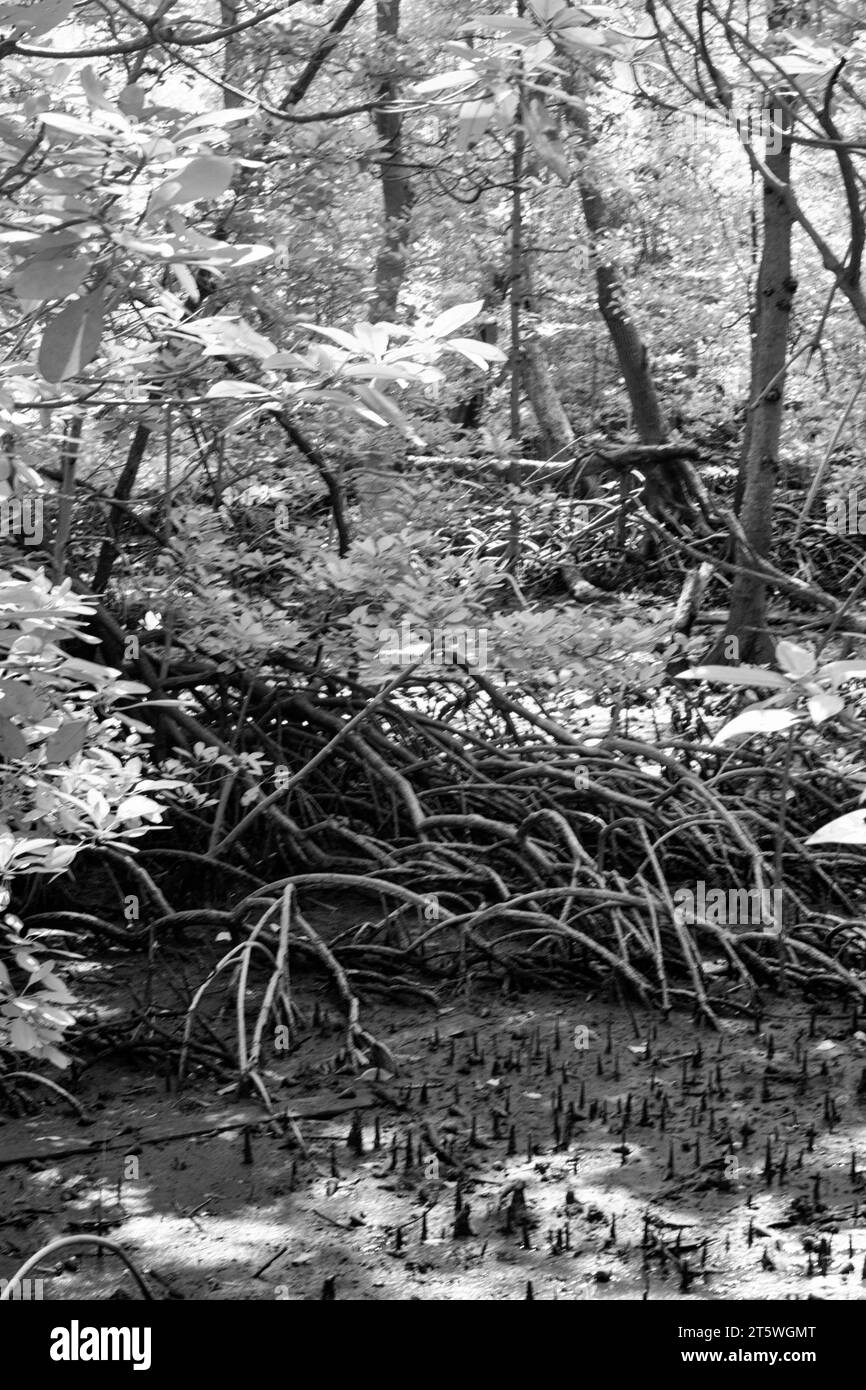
(651, 1160)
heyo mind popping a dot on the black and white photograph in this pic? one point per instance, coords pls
(432, 669)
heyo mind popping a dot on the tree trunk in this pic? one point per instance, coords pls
(231, 56)
(754, 392)
(666, 492)
(746, 638)
(554, 426)
(535, 376)
(631, 353)
(397, 194)
(468, 414)
(109, 550)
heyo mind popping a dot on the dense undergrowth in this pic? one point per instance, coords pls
(530, 821)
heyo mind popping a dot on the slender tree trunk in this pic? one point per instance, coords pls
(556, 434)
(746, 637)
(754, 392)
(740, 489)
(631, 352)
(493, 290)
(534, 376)
(666, 491)
(109, 550)
(66, 507)
(231, 56)
(397, 194)
(515, 299)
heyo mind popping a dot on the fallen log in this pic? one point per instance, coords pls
(309, 1108)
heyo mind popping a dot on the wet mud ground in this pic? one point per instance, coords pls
(552, 1145)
